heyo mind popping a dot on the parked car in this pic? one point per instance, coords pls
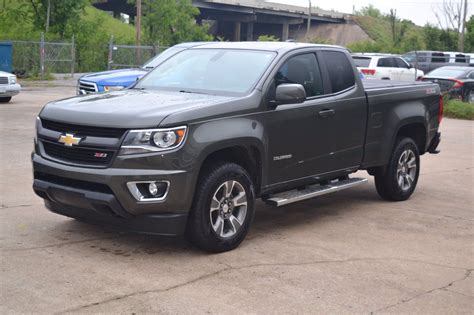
(9, 86)
(111, 80)
(457, 82)
(386, 67)
(190, 146)
(430, 60)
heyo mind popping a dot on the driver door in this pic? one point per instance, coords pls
(298, 143)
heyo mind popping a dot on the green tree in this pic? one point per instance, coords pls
(370, 10)
(170, 22)
(470, 35)
(62, 14)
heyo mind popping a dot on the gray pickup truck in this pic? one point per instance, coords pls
(190, 146)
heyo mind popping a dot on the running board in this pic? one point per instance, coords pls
(312, 191)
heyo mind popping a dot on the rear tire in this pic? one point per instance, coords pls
(223, 208)
(5, 99)
(398, 181)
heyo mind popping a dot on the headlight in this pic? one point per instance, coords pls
(113, 88)
(153, 140)
(13, 80)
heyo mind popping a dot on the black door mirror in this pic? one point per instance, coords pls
(290, 94)
(410, 66)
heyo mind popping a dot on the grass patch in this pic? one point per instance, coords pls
(458, 109)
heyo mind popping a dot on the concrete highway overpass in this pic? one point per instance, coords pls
(245, 20)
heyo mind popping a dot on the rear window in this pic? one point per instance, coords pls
(362, 62)
(447, 73)
(341, 73)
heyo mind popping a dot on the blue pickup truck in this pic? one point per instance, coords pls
(111, 80)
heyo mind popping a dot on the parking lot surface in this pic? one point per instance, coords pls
(348, 252)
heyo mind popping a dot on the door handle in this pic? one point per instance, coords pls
(325, 113)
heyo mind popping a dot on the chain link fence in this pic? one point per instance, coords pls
(37, 58)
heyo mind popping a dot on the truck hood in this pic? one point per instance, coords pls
(126, 108)
(122, 77)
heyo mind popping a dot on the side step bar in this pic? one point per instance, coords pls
(312, 191)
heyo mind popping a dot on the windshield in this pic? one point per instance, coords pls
(447, 73)
(153, 62)
(209, 71)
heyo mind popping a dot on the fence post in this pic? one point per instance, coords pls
(42, 55)
(73, 55)
(111, 52)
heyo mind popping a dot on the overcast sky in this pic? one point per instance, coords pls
(419, 11)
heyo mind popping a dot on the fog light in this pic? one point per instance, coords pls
(149, 190)
(153, 189)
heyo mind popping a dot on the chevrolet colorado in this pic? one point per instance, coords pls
(190, 146)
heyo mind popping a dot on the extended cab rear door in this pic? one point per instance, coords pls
(346, 128)
(325, 134)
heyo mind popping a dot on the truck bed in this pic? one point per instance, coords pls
(390, 102)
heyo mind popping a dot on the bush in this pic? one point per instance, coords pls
(267, 38)
(458, 109)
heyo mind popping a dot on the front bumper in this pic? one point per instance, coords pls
(101, 196)
(9, 90)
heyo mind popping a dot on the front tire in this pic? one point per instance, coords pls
(5, 99)
(223, 208)
(398, 181)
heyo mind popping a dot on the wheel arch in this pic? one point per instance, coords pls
(247, 154)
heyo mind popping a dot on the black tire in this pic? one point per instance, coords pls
(199, 229)
(5, 99)
(387, 183)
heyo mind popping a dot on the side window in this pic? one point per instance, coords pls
(400, 63)
(341, 73)
(385, 63)
(439, 57)
(304, 70)
(471, 75)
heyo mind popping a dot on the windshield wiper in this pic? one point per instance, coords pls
(190, 92)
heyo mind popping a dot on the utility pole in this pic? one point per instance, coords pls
(138, 25)
(308, 25)
(463, 29)
(48, 13)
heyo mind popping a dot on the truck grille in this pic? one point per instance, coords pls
(87, 87)
(3, 80)
(83, 130)
(81, 155)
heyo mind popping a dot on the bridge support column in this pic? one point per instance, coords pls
(250, 31)
(285, 31)
(236, 31)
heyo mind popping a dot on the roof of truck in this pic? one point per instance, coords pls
(267, 46)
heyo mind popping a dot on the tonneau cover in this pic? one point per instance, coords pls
(372, 84)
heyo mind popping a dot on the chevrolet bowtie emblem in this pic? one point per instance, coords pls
(69, 140)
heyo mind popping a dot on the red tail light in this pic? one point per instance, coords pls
(441, 107)
(368, 71)
(457, 84)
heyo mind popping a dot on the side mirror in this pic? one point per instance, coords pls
(411, 66)
(290, 94)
